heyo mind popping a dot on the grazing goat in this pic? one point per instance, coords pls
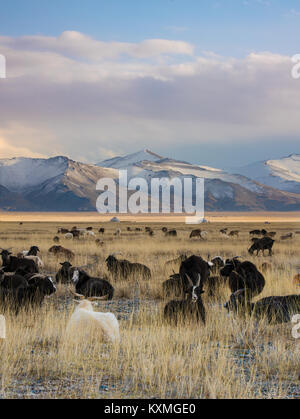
(243, 275)
(287, 236)
(101, 230)
(61, 251)
(118, 232)
(87, 321)
(275, 309)
(191, 308)
(196, 233)
(92, 287)
(62, 231)
(124, 268)
(234, 233)
(164, 229)
(13, 263)
(171, 233)
(266, 243)
(56, 239)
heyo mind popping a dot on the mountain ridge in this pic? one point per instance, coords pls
(62, 184)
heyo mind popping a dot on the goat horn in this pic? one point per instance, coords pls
(189, 279)
(104, 297)
(77, 295)
(199, 280)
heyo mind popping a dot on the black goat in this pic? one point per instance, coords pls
(124, 268)
(260, 245)
(17, 292)
(13, 263)
(275, 309)
(171, 233)
(191, 308)
(63, 276)
(33, 251)
(91, 287)
(243, 276)
(174, 286)
(193, 266)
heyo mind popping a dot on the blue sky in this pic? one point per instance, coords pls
(228, 27)
(183, 77)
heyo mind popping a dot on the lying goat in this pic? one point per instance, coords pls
(92, 287)
(86, 320)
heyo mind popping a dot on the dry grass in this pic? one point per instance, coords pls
(228, 358)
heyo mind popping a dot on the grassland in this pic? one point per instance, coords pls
(227, 358)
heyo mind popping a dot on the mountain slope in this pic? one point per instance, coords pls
(282, 174)
(56, 184)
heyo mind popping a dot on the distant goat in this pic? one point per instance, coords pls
(196, 233)
(287, 236)
(61, 251)
(266, 243)
(171, 233)
(124, 268)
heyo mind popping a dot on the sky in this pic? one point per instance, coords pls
(204, 81)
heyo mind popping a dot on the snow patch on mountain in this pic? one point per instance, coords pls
(282, 174)
(19, 174)
(130, 159)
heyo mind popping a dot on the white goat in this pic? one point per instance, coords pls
(85, 319)
(90, 234)
(68, 236)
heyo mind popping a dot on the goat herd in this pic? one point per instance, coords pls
(22, 285)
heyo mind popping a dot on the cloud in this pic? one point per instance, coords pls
(90, 99)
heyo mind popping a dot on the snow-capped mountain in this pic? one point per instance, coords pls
(55, 184)
(61, 184)
(126, 161)
(223, 190)
(283, 174)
